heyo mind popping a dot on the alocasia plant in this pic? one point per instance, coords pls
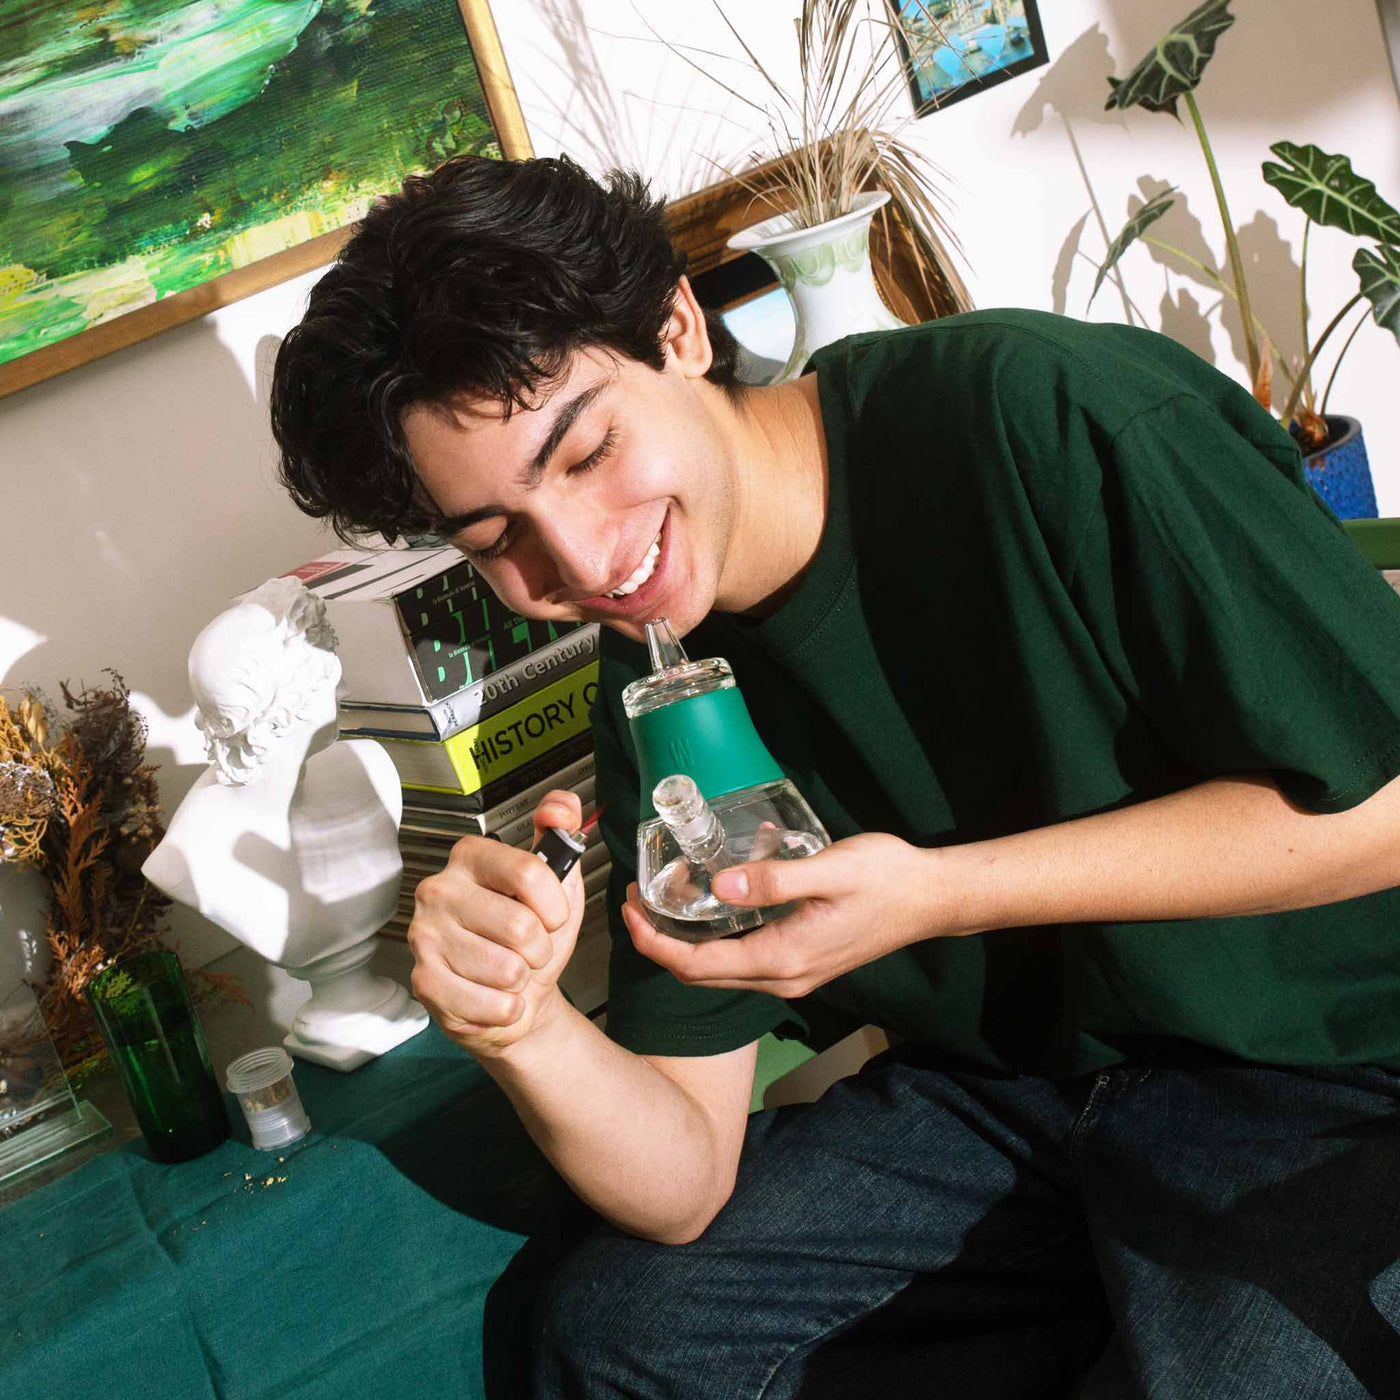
(1323, 186)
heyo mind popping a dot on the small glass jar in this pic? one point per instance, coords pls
(262, 1082)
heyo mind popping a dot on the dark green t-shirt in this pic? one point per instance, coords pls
(1065, 568)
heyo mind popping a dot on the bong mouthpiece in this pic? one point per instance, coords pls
(663, 644)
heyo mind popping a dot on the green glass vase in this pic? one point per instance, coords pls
(143, 1007)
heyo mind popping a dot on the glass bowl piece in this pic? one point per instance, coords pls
(692, 821)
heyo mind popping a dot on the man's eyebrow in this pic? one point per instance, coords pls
(533, 474)
(559, 430)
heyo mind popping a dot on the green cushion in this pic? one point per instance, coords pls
(1378, 540)
(775, 1058)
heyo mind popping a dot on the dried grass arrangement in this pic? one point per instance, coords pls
(842, 132)
(79, 804)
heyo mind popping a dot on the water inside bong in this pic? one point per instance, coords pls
(682, 887)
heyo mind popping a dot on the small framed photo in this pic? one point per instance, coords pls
(954, 49)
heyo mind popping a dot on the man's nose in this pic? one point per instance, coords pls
(578, 549)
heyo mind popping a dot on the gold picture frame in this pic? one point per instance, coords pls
(84, 346)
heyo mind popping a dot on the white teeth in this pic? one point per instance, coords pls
(642, 572)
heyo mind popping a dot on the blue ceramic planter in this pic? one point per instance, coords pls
(1341, 472)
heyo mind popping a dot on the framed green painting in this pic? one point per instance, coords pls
(161, 158)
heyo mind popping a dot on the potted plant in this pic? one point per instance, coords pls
(1328, 192)
(835, 160)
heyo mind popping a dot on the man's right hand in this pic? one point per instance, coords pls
(492, 932)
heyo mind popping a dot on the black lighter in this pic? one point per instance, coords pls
(560, 850)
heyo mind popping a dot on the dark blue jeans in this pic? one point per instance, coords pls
(1203, 1229)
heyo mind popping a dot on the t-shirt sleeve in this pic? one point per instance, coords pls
(649, 1011)
(1236, 613)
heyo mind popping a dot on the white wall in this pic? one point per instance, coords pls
(138, 490)
(139, 496)
(1031, 157)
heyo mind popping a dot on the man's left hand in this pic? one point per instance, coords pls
(857, 900)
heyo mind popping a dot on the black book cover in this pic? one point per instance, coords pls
(460, 632)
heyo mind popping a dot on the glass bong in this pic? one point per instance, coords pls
(712, 794)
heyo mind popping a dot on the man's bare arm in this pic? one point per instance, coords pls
(1226, 847)
(651, 1143)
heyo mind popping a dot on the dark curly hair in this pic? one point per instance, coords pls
(482, 278)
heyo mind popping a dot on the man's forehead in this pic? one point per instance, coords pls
(585, 373)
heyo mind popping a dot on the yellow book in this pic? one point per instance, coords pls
(487, 751)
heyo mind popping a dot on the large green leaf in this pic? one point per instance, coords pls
(1380, 281)
(1175, 65)
(1132, 230)
(1330, 192)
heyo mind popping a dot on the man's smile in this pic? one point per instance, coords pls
(642, 572)
(637, 594)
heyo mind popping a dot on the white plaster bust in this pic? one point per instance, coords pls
(289, 840)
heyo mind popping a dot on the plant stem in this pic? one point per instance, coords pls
(1117, 272)
(1129, 304)
(1227, 289)
(1331, 378)
(1303, 297)
(1251, 345)
(1291, 407)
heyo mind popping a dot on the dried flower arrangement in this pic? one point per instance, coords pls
(79, 803)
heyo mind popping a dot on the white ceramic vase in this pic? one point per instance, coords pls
(826, 273)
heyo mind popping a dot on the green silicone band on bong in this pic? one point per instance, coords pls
(710, 738)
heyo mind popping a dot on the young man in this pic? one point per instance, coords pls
(1103, 710)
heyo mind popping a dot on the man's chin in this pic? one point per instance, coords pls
(631, 628)
(634, 628)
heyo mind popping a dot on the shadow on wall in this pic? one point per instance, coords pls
(264, 358)
(580, 103)
(1270, 272)
(1178, 243)
(149, 499)
(583, 104)
(1071, 90)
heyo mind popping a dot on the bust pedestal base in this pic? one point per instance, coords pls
(351, 1016)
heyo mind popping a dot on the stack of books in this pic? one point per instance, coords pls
(483, 711)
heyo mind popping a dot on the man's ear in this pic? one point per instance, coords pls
(686, 339)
